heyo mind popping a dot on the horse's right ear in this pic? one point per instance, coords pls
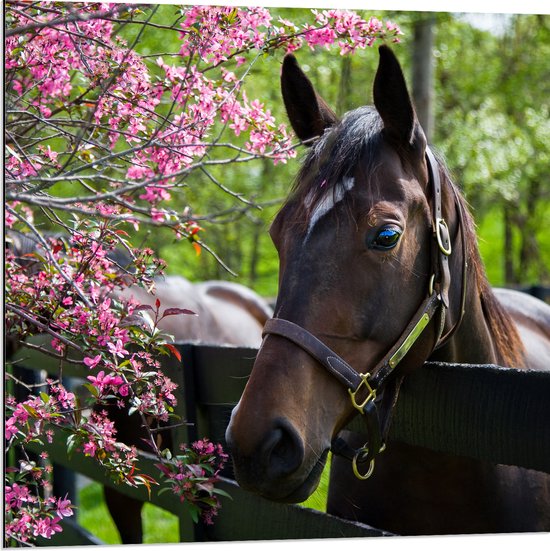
(392, 99)
(308, 113)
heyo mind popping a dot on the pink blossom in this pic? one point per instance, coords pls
(11, 428)
(16, 495)
(92, 362)
(47, 527)
(64, 507)
(90, 448)
(157, 215)
(117, 349)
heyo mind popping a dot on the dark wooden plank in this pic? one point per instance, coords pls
(248, 517)
(221, 373)
(481, 411)
(486, 412)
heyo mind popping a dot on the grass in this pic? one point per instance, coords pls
(159, 526)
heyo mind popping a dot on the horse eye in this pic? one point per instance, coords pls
(386, 239)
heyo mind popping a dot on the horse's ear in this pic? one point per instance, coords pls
(308, 113)
(392, 99)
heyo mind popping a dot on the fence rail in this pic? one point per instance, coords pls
(485, 412)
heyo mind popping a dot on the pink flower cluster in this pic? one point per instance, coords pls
(192, 476)
(348, 30)
(51, 56)
(27, 516)
(116, 87)
(30, 418)
(79, 299)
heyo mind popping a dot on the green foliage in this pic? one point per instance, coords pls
(493, 127)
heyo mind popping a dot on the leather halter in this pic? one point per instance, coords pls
(365, 389)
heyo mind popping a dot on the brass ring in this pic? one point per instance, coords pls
(356, 469)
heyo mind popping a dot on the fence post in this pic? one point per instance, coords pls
(181, 372)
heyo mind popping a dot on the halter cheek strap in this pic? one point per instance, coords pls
(365, 389)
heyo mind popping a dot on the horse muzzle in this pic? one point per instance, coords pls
(276, 467)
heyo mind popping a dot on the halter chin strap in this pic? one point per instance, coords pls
(365, 389)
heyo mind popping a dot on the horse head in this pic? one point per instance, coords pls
(356, 240)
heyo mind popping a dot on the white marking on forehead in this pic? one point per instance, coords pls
(328, 201)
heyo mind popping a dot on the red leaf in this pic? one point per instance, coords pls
(143, 307)
(56, 248)
(174, 351)
(177, 311)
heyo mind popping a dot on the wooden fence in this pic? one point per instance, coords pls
(486, 412)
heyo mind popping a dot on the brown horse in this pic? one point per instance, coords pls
(379, 272)
(226, 313)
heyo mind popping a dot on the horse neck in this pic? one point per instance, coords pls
(486, 333)
(473, 342)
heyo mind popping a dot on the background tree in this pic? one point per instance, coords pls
(492, 125)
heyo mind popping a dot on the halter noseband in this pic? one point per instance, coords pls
(365, 388)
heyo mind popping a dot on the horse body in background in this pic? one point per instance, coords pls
(379, 272)
(227, 313)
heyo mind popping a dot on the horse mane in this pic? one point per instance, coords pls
(507, 342)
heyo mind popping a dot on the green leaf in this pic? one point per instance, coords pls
(193, 512)
(94, 391)
(78, 410)
(30, 410)
(221, 492)
(72, 443)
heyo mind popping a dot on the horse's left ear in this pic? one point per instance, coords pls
(392, 100)
(307, 111)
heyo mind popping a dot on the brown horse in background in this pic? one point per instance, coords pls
(226, 313)
(379, 272)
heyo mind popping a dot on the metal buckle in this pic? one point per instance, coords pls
(356, 472)
(431, 286)
(353, 393)
(440, 224)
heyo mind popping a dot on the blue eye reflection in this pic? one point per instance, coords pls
(386, 238)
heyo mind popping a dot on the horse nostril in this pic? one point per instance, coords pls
(283, 451)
